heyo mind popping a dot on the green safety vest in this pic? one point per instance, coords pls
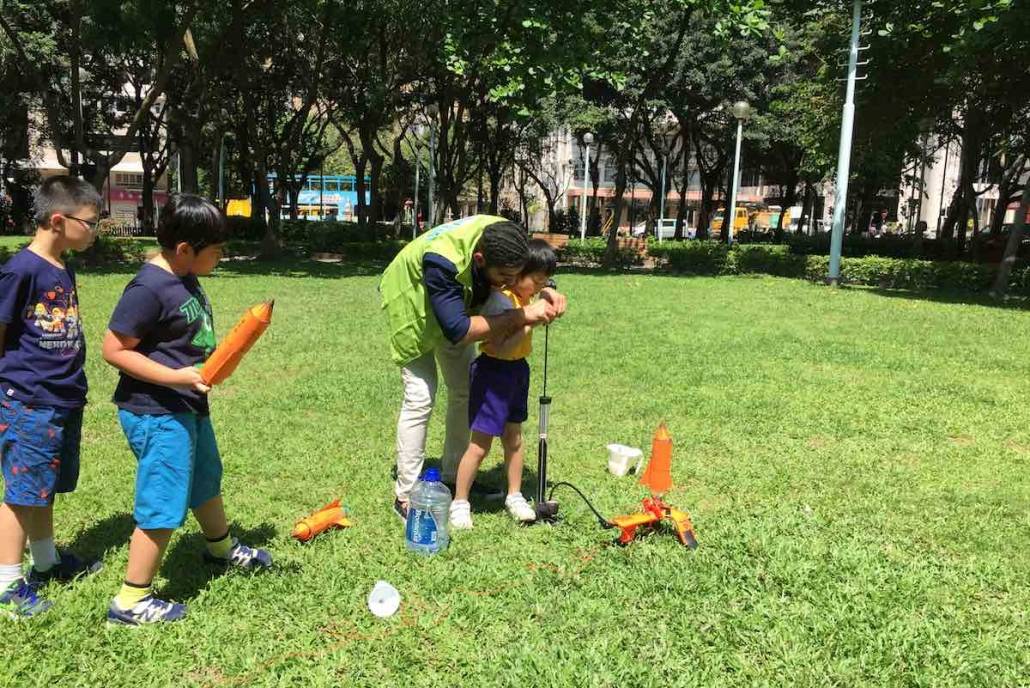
(414, 330)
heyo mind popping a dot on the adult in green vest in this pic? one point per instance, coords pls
(431, 293)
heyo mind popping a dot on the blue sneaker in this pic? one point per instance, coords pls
(66, 570)
(20, 601)
(242, 557)
(149, 610)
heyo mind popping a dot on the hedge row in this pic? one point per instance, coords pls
(312, 235)
(712, 258)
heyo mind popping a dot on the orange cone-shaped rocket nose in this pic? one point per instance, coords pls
(237, 343)
(658, 474)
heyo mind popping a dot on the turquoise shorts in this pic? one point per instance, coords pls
(179, 467)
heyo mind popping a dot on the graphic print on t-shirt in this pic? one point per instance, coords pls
(193, 310)
(56, 314)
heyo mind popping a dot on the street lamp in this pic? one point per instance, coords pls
(588, 138)
(925, 128)
(742, 111)
(431, 113)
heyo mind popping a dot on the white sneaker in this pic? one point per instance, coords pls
(461, 515)
(519, 508)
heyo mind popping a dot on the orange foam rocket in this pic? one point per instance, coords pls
(332, 515)
(223, 361)
(658, 474)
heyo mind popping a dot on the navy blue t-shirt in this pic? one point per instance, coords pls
(44, 347)
(171, 317)
(447, 295)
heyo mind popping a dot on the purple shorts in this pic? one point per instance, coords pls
(498, 394)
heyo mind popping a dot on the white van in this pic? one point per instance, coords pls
(666, 229)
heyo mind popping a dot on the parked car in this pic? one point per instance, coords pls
(666, 229)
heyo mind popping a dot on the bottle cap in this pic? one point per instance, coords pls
(432, 475)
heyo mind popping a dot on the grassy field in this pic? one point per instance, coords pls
(856, 465)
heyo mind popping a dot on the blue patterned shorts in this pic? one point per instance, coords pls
(40, 452)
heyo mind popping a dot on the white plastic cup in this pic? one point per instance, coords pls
(384, 600)
(623, 459)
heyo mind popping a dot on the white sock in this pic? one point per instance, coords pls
(44, 554)
(9, 573)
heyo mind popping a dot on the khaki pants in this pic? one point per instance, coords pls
(420, 384)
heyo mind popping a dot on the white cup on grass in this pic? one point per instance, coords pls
(623, 459)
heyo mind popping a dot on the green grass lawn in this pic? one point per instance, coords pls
(856, 465)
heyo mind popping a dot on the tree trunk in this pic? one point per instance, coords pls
(270, 247)
(190, 180)
(1001, 283)
(595, 183)
(293, 193)
(361, 209)
(612, 249)
(148, 197)
(806, 208)
(972, 142)
(495, 192)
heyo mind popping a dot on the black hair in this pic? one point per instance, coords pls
(63, 194)
(541, 258)
(191, 219)
(504, 245)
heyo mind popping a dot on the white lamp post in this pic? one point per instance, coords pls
(588, 138)
(742, 111)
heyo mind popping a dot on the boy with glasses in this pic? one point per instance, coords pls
(42, 391)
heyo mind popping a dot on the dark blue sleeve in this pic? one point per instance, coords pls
(446, 296)
(137, 312)
(12, 296)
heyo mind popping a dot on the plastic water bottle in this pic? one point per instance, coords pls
(428, 511)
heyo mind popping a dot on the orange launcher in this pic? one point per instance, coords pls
(221, 364)
(332, 515)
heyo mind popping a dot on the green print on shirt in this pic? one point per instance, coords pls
(205, 337)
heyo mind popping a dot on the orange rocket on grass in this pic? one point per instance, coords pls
(658, 474)
(237, 343)
(658, 479)
(330, 516)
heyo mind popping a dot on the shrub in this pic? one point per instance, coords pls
(712, 258)
(592, 252)
(694, 257)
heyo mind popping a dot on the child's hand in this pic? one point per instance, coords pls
(190, 378)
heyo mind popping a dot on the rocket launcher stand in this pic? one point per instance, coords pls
(546, 510)
(658, 479)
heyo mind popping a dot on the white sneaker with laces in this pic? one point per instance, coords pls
(461, 515)
(519, 508)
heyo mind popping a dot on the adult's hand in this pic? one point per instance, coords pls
(540, 312)
(556, 299)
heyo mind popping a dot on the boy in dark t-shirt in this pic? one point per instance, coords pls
(42, 391)
(160, 332)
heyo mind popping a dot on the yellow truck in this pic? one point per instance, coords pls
(740, 222)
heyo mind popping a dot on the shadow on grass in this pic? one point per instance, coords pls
(186, 571)
(299, 267)
(111, 532)
(1018, 303)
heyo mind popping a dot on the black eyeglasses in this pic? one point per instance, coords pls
(92, 224)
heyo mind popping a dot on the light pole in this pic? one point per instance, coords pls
(431, 112)
(588, 138)
(925, 127)
(414, 207)
(741, 110)
(221, 172)
(847, 125)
